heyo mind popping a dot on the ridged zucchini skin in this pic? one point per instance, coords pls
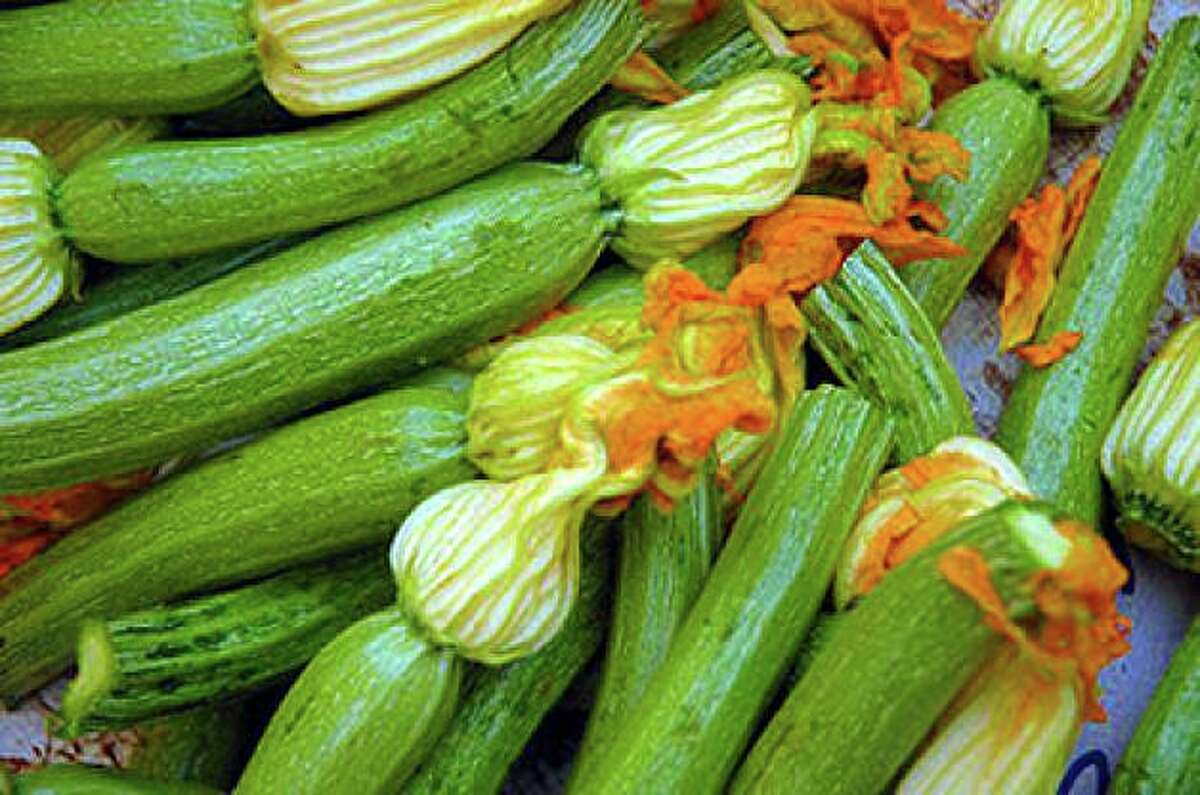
(1112, 282)
(665, 558)
(212, 648)
(501, 707)
(700, 707)
(721, 47)
(125, 57)
(1006, 128)
(361, 717)
(174, 199)
(202, 745)
(888, 668)
(79, 780)
(129, 289)
(353, 308)
(874, 337)
(328, 484)
(1163, 757)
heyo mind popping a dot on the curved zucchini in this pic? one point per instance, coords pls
(128, 289)
(79, 780)
(502, 706)
(735, 646)
(1162, 758)
(212, 648)
(874, 337)
(665, 558)
(180, 198)
(1112, 282)
(400, 693)
(350, 309)
(334, 482)
(1006, 128)
(889, 667)
(160, 56)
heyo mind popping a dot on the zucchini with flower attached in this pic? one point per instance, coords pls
(701, 706)
(1152, 454)
(363, 304)
(179, 198)
(140, 57)
(1161, 758)
(1066, 59)
(893, 664)
(79, 780)
(1111, 283)
(251, 511)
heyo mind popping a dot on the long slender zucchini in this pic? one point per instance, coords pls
(502, 707)
(78, 780)
(1112, 282)
(1162, 758)
(331, 483)
(874, 337)
(700, 707)
(890, 666)
(175, 199)
(212, 648)
(128, 289)
(202, 745)
(665, 558)
(352, 308)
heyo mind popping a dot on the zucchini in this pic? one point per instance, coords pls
(356, 307)
(128, 289)
(211, 648)
(175, 199)
(734, 648)
(378, 695)
(331, 483)
(502, 707)
(1112, 282)
(875, 338)
(159, 56)
(78, 780)
(665, 558)
(1162, 758)
(202, 745)
(1006, 128)
(889, 667)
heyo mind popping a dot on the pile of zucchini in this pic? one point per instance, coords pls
(305, 319)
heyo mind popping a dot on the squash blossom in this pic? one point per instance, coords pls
(36, 267)
(68, 141)
(1152, 454)
(565, 425)
(1077, 52)
(687, 173)
(328, 56)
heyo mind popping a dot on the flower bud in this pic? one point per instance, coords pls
(687, 173)
(1152, 454)
(1078, 53)
(330, 56)
(36, 268)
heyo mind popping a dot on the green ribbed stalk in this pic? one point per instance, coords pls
(874, 337)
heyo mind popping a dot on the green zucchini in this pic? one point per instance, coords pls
(378, 692)
(501, 707)
(160, 56)
(350, 309)
(875, 338)
(1163, 758)
(1112, 282)
(78, 780)
(128, 289)
(212, 648)
(202, 745)
(1006, 128)
(889, 667)
(665, 558)
(330, 483)
(700, 707)
(180, 198)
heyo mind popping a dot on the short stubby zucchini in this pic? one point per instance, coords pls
(353, 308)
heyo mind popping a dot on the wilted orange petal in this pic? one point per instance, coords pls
(1079, 192)
(935, 29)
(932, 154)
(887, 193)
(1046, 354)
(1030, 277)
(642, 77)
(14, 553)
(967, 570)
